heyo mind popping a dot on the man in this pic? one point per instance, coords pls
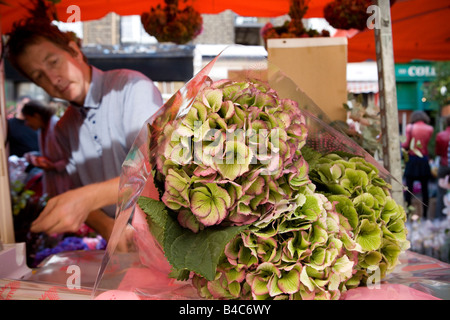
(107, 112)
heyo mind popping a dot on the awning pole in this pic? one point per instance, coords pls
(388, 98)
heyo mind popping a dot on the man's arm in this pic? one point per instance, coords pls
(68, 211)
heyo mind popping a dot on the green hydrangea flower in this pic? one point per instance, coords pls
(233, 157)
(252, 213)
(361, 196)
(295, 255)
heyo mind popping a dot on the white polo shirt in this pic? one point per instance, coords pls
(98, 136)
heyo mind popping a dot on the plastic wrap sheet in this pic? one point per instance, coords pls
(150, 278)
(63, 276)
(134, 264)
(417, 277)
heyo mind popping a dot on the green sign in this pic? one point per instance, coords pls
(414, 72)
(410, 79)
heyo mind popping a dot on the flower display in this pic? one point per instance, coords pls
(301, 254)
(293, 27)
(233, 158)
(363, 198)
(69, 243)
(348, 14)
(171, 24)
(248, 210)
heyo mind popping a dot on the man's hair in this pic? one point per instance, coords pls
(35, 106)
(32, 31)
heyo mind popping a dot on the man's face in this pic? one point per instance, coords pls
(58, 72)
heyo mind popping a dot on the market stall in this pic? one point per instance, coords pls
(143, 272)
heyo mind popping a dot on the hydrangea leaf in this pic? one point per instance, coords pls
(234, 288)
(343, 265)
(369, 235)
(237, 160)
(263, 99)
(304, 278)
(344, 206)
(398, 229)
(199, 252)
(272, 285)
(354, 179)
(350, 243)
(227, 110)
(336, 172)
(390, 251)
(378, 193)
(218, 291)
(320, 235)
(191, 117)
(210, 203)
(156, 215)
(231, 90)
(233, 275)
(232, 249)
(289, 282)
(365, 198)
(254, 187)
(213, 99)
(338, 189)
(334, 282)
(311, 208)
(389, 210)
(373, 258)
(187, 220)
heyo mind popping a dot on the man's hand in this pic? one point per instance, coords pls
(63, 213)
(68, 211)
(103, 225)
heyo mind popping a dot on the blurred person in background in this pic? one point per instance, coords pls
(51, 157)
(441, 150)
(20, 138)
(417, 167)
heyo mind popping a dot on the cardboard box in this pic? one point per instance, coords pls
(318, 66)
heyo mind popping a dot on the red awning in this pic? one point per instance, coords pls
(420, 27)
(420, 30)
(96, 9)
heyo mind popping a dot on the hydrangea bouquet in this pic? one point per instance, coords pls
(248, 205)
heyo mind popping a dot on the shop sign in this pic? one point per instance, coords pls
(415, 71)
